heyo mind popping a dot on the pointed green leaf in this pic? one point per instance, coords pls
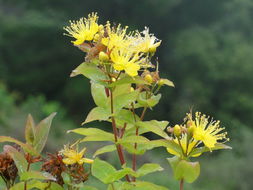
(123, 100)
(36, 175)
(122, 89)
(218, 146)
(154, 126)
(133, 139)
(189, 171)
(18, 158)
(94, 134)
(126, 116)
(102, 170)
(143, 185)
(30, 130)
(91, 71)
(148, 168)
(26, 147)
(168, 82)
(174, 162)
(98, 94)
(97, 113)
(42, 131)
(105, 149)
(148, 102)
(86, 187)
(129, 80)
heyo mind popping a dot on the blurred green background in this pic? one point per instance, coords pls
(207, 50)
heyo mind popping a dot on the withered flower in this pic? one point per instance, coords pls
(54, 165)
(8, 169)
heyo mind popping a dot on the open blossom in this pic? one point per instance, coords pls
(209, 132)
(146, 42)
(116, 37)
(84, 29)
(186, 147)
(125, 60)
(72, 156)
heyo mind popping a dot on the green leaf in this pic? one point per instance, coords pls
(148, 168)
(154, 126)
(55, 186)
(18, 186)
(30, 130)
(168, 143)
(168, 82)
(117, 175)
(42, 131)
(129, 80)
(97, 113)
(123, 100)
(91, 71)
(102, 170)
(150, 102)
(122, 89)
(126, 116)
(133, 139)
(189, 171)
(18, 158)
(26, 147)
(218, 146)
(86, 187)
(99, 95)
(36, 175)
(105, 149)
(94, 134)
(174, 162)
(143, 185)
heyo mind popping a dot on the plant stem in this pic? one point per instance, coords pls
(181, 184)
(134, 159)
(115, 132)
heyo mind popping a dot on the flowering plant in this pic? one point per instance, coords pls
(125, 84)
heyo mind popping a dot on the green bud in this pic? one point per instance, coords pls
(160, 82)
(152, 49)
(113, 79)
(103, 56)
(148, 78)
(177, 130)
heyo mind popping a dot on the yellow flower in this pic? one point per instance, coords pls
(72, 156)
(146, 43)
(117, 37)
(183, 142)
(84, 29)
(207, 132)
(125, 60)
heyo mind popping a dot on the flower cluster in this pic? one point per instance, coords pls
(125, 51)
(197, 133)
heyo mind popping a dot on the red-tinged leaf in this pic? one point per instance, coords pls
(30, 130)
(26, 147)
(42, 131)
(18, 158)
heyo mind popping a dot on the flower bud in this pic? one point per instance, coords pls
(160, 82)
(96, 37)
(131, 89)
(103, 56)
(177, 130)
(148, 78)
(100, 27)
(113, 79)
(191, 129)
(152, 49)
